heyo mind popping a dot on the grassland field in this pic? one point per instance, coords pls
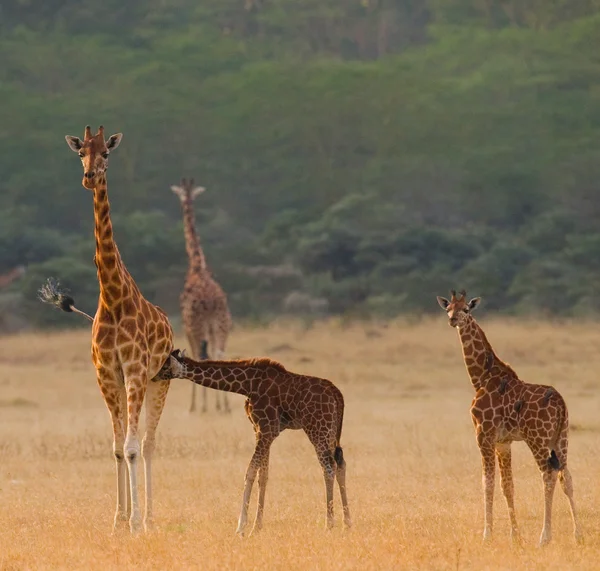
(414, 472)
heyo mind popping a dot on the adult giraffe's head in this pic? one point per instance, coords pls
(93, 151)
(186, 191)
(458, 308)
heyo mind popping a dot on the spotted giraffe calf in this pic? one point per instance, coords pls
(276, 399)
(506, 409)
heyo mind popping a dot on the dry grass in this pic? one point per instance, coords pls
(413, 467)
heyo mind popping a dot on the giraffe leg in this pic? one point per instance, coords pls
(263, 477)
(135, 395)
(114, 398)
(488, 461)
(321, 441)
(566, 483)
(341, 479)
(263, 444)
(193, 400)
(195, 350)
(503, 452)
(156, 394)
(564, 476)
(549, 479)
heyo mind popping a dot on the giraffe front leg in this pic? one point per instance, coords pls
(263, 477)
(503, 452)
(204, 400)
(135, 396)
(260, 451)
(193, 399)
(486, 447)
(115, 401)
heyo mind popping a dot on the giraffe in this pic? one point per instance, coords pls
(203, 303)
(276, 399)
(11, 276)
(131, 339)
(506, 409)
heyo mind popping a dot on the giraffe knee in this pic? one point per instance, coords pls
(132, 451)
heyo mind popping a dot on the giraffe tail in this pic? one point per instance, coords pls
(338, 454)
(554, 462)
(52, 293)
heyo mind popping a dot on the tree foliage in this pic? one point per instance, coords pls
(385, 149)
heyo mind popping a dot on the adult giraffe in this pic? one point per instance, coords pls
(204, 309)
(131, 339)
(506, 409)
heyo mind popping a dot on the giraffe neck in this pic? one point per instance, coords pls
(224, 376)
(110, 268)
(192, 243)
(477, 351)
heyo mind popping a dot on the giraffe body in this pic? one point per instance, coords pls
(204, 310)
(277, 400)
(507, 409)
(131, 339)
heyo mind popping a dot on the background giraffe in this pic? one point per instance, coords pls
(131, 338)
(204, 309)
(277, 399)
(506, 409)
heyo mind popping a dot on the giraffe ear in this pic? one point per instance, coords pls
(198, 190)
(179, 191)
(114, 141)
(474, 303)
(444, 303)
(74, 143)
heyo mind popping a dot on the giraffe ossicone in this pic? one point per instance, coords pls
(277, 399)
(506, 409)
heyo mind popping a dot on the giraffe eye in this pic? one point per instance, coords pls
(81, 154)
(105, 155)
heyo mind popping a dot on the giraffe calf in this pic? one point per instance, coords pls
(506, 409)
(277, 399)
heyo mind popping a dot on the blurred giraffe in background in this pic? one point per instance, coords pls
(204, 308)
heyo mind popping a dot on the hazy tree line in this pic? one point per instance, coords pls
(364, 154)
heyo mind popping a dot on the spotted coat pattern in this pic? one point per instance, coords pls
(131, 339)
(277, 399)
(507, 409)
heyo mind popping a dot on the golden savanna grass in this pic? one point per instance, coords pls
(414, 477)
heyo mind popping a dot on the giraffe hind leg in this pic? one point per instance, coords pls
(340, 474)
(566, 481)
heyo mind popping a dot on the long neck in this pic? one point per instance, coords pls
(477, 351)
(223, 376)
(192, 243)
(111, 270)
